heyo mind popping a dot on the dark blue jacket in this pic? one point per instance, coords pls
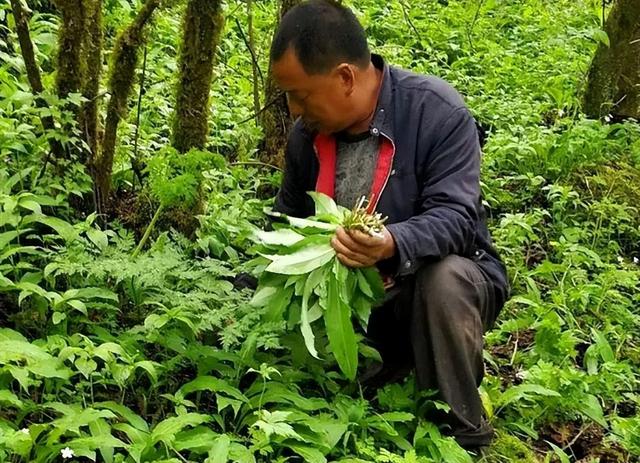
(430, 188)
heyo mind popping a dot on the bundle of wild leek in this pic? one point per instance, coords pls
(304, 281)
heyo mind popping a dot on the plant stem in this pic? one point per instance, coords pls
(147, 232)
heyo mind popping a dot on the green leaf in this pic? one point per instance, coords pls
(8, 397)
(524, 392)
(78, 305)
(98, 429)
(94, 293)
(99, 238)
(198, 439)
(30, 205)
(166, 430)
(324, 204)
(264, 295)
(590, 406)
(63, 228)
(284, 237)
(278, 305)
(17, 351)
(305, 223)
(602, 37)
(212, 384)
(310, 454)
(86, 366)
(373, 278)
(28, 289)
(93, 443)
(149, 367)
(302, 261)
(7, 334)
(279, 393)
(363, 284)
(342, 338)
(240, 454)
(276, 423)
(562, 456)
(5, 282)
(8, 237)
(136, 421)
(311, 282)
(219, 452)
(58, 317)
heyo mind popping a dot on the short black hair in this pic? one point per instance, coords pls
(323, 34)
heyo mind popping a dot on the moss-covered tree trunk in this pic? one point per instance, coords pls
(70, 40)
(614, 77)
(123, 66)
(202, 25)
(92, 58)
(276, 120)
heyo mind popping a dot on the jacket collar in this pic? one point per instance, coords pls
(382, 122)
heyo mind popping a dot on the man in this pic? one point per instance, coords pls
(409, 144)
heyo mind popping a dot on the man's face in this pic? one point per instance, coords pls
(322, 100)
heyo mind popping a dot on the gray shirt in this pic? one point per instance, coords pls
(355, 164)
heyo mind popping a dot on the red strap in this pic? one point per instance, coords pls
(326, 151)
(382, 172)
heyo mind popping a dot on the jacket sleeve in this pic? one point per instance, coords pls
(291, 196)
(450, 191)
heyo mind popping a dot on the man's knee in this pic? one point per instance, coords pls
(448, 279)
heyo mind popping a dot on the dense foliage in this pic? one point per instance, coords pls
(121, 347)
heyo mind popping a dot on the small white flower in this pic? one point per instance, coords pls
(620, 259)
(66, 453)
(636, 260)
(607, 118)
(24, 430)
(560, 112)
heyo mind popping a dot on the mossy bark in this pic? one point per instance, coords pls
(70, 40)
(123, 66)
(92, 58)
(276, 120)
(614, 78)
(202, 25)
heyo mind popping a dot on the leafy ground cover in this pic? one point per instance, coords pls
(162, 357)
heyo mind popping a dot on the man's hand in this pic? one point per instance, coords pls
(357, 249)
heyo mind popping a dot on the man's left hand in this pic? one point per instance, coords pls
(358, 249)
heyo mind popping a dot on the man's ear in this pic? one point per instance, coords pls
(346, 74)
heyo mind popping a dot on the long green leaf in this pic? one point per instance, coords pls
(284, 237)
(303, 261)
(166, 430)
(311, 282)
(342, 338)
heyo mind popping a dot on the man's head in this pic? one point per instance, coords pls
(319, 58)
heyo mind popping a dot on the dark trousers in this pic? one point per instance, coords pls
(436, 321)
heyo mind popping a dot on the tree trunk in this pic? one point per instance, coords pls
(614, 78)
(33, 70)
(276, 120)
(202, 25)
(123, 67)
(92, 57)
(70, 40)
